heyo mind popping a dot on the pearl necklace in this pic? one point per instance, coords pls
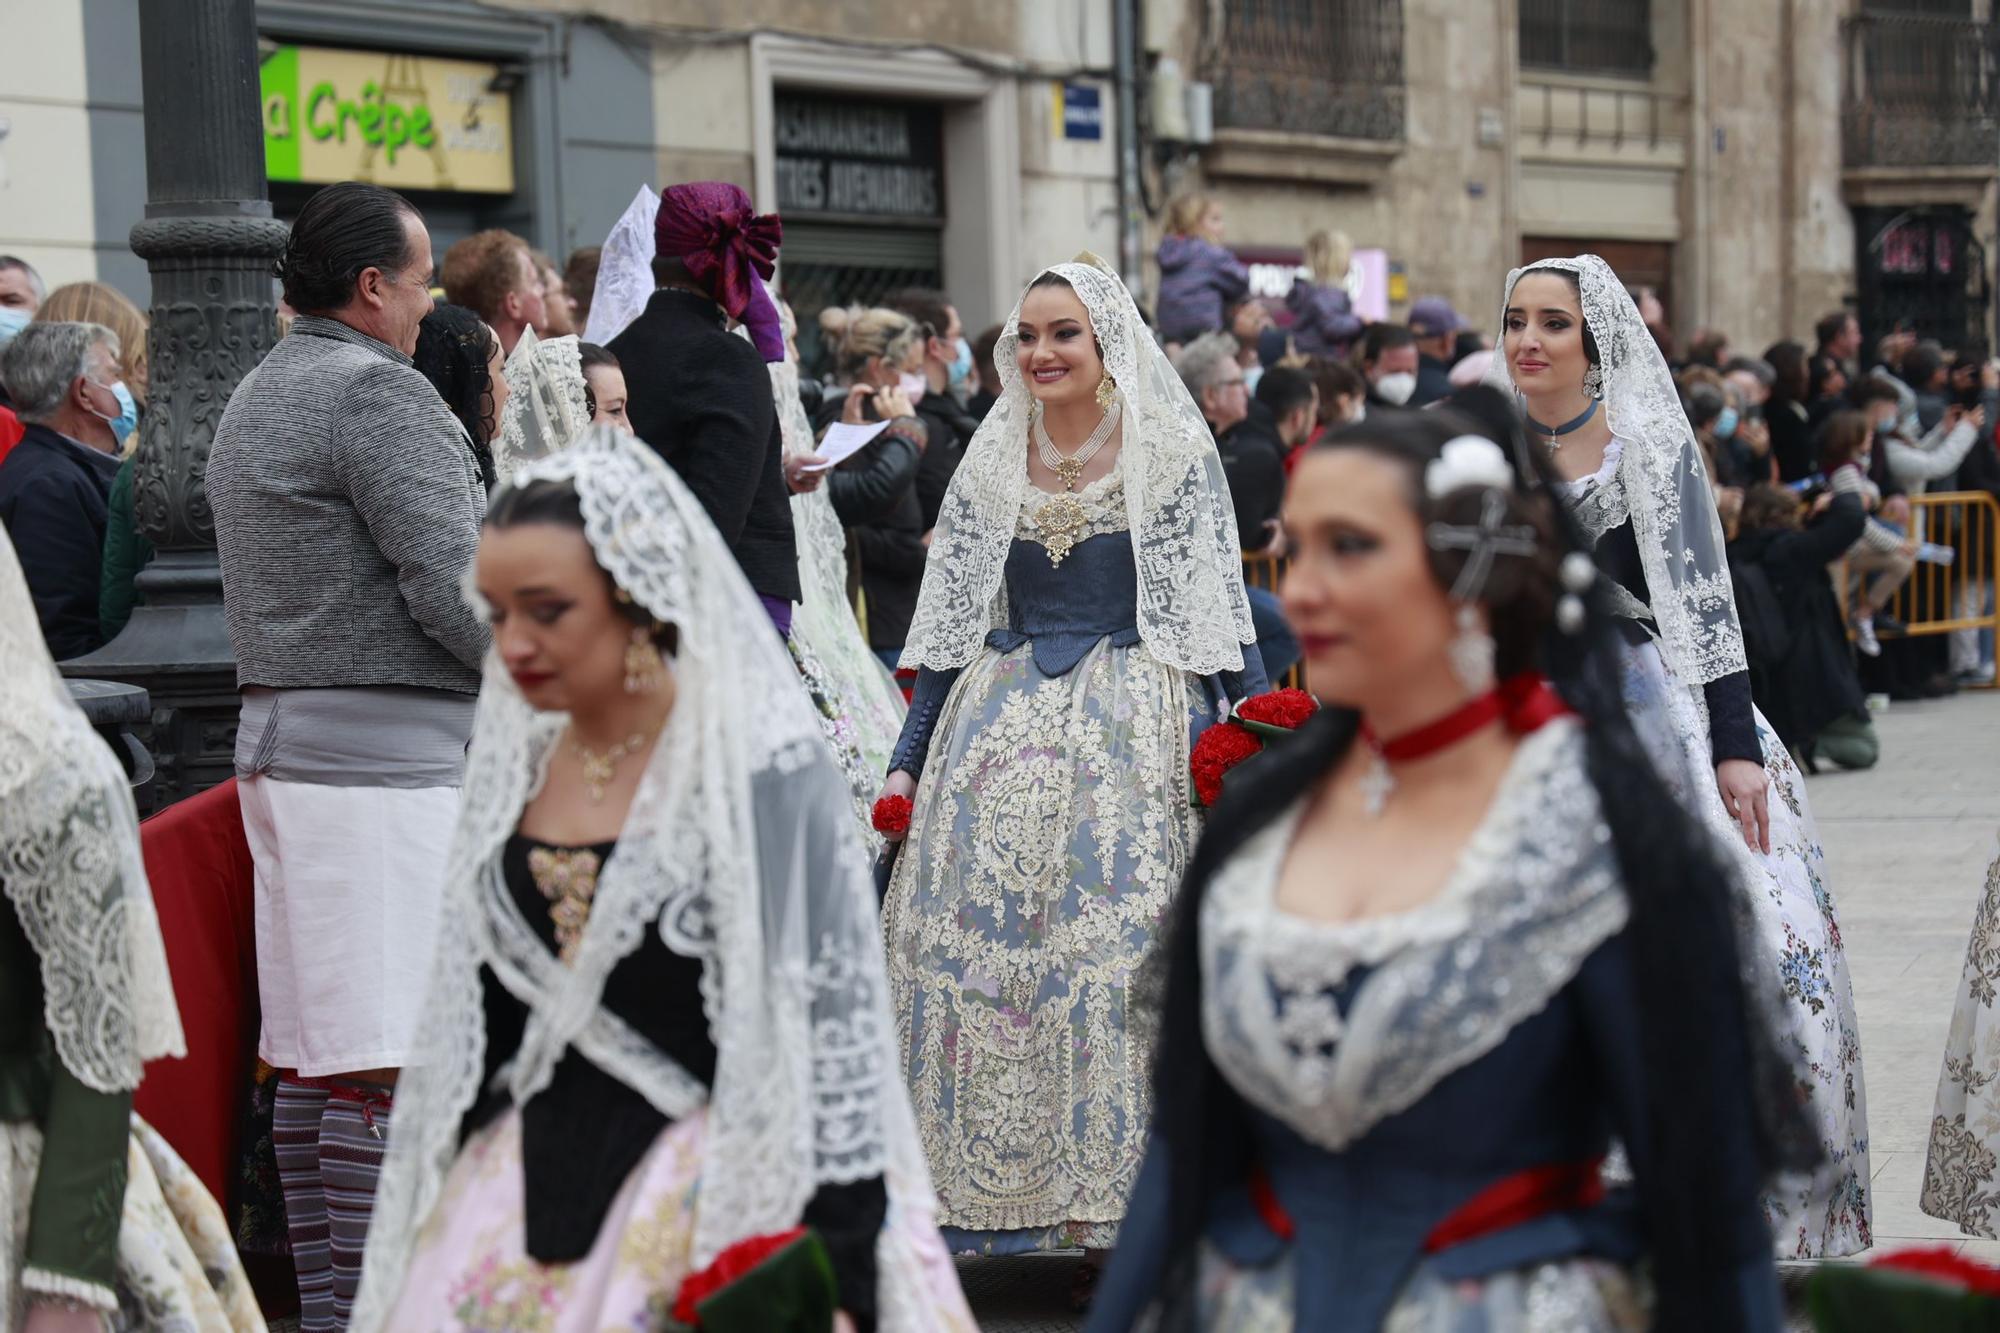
(1063, 517)
(1070, 468)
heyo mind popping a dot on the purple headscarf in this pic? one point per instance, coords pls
(711, 228)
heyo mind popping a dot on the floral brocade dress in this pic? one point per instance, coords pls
(1962, 1167)
(1052, 824)
(1797, 931)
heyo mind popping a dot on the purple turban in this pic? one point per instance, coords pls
(711, 228)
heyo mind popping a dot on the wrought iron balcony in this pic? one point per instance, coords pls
(1330, 67)
(1921, 92)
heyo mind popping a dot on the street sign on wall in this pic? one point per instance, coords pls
(406, 121)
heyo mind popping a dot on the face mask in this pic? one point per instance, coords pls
(913, 385)
(960, 368)
(127, 419)
(1358, 412)
(12, 320)
(1396, 388)
(1725, 425)
(1255, 373)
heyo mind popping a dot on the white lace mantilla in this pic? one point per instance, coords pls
(70, 864)
(1535, 892)
(548, 404)
(1192, 610)
(1660, 474)
(740, 850)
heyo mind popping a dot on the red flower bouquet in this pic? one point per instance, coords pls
(781, 1283)
(1934, 1289)
(1279, 711)
(1224, 746)
(892, 816)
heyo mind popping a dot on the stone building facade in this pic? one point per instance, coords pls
(1758, 162)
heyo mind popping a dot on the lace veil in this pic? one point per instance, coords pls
(70, 864)
(1664, 486)
(546, 403)
(1192, 609)
(824, 621)
(740, 849)
(624, 270)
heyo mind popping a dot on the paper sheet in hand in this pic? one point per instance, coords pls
(843, 441)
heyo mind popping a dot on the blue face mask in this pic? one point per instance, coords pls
(1725, 425)
(960, 368)
(1251, 376)
(12, 320)
(127, 419)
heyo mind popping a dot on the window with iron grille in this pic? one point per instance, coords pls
(1588, 36)
(1310, 66)
(1950, 9)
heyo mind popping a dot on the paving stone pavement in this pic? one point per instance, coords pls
(1907, 844)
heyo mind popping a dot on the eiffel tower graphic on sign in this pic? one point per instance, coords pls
(403, 77)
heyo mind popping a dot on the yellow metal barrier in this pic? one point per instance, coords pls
(1945, 599)
(1267, 572)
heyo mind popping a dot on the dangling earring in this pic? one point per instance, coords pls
(644, 668)
(1107, 389)
(1593, 381)
(1471, 651)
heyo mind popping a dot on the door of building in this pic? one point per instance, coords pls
(1921, 269)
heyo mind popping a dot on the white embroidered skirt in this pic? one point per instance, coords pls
(1825, 1215)
(1050, 830)
(348, 886)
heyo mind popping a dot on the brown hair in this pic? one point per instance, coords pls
(1842, 439)
(95, 303)
(480, 271)
(1768, 506)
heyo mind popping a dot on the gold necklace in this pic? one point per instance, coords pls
(1063, 516)
(600, 769)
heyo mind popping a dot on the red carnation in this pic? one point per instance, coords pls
(1943, 1264)
(1220, 749)
(1279, 708)
(731, 1264)
(892, 816)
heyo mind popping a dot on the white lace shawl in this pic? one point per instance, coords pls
(824, 621)
(547, 402)
(70, 864)
(1535, 892)
(774, 897)
(1192, 610)
(1661, 483)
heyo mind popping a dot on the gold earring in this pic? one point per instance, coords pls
(1107, 388)
(644, 668)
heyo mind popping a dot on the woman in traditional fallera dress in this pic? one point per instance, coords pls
(1962, 1168)
(1601, 403)
(1437, 949)
(662, 1030)
(1082, 611)
(102, 1226)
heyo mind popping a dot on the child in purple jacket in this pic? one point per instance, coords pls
(1197, 276)
(1323, 318)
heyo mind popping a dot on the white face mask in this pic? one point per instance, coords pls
(1358, 412)
(1397, 387)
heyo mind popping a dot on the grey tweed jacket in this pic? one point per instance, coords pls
(347, 509)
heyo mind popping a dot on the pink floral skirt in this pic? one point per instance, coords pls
(472, 1272)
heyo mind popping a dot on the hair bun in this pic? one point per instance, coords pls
(834, 320)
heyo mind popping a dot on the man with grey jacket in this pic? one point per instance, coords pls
(347, 507)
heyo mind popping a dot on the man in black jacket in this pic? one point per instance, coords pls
(701, 396)
(56, 483)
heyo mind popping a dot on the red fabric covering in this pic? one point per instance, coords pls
(199, 865)
(11, 431)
